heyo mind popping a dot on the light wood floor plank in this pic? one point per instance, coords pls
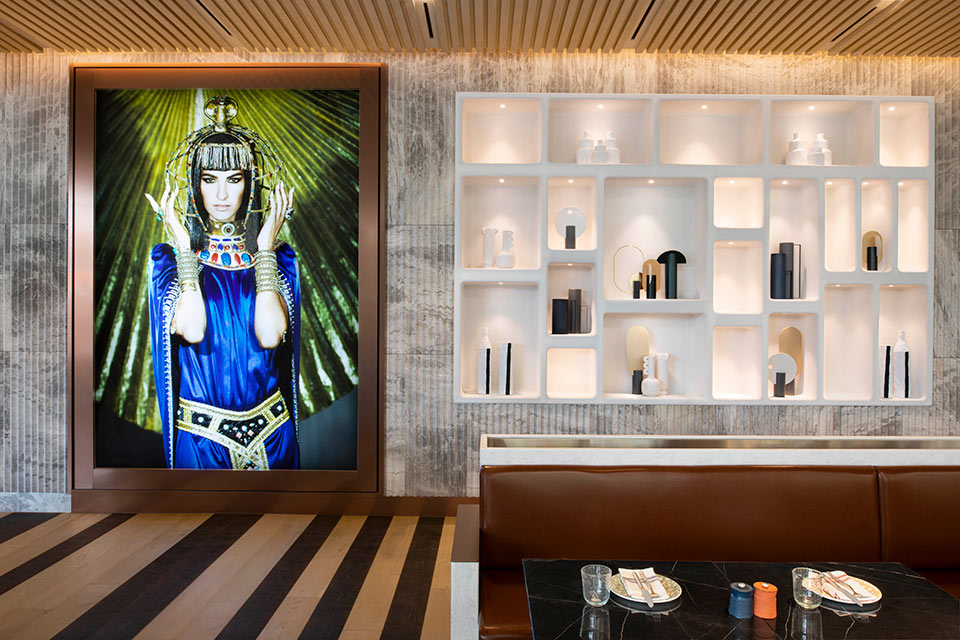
(372, 605)
(206, 606)
(42, 537)
(52, 599)
(295, 610)
(436, 619)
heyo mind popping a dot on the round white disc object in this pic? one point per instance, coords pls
(570, 217)
(781, 363)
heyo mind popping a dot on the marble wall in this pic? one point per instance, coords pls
(431, 444)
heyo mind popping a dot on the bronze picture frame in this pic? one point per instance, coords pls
(140, 489)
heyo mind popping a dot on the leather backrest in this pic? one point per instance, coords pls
(742, 513)
(920, 516)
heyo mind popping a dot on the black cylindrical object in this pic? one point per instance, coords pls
(637, 288)
(570, 239)
(871, 258)
(778, 269)
(786, 248)
(574, 298)
(637, 382)
(670, 277)
(779, 387)
(560, 307)
(651, 287)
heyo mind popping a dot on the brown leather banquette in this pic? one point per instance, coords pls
(746, 513)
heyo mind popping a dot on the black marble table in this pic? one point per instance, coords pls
(912, 607)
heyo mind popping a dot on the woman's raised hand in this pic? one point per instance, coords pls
(171, 221)
(281, 206)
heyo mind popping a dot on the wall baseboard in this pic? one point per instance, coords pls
(40, 502)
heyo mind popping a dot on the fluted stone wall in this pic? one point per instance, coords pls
(431, 443)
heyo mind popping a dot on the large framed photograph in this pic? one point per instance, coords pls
(226, 321)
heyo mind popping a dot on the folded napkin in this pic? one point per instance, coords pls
(855, 585)
(633, 586)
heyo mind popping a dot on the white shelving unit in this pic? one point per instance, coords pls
(705, 175)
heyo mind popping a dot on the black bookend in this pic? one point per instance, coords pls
(778, 270)
(886, 370)
(560, 316)
(779, 385)
(637, 289)
(786, 248)
(651, 287)
(570, 239)
(871, 258)
(574, 298)
(637, 381)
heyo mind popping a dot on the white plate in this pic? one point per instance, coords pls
(874, 592)
(672, 588)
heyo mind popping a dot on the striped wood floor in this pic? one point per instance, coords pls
(224, 576)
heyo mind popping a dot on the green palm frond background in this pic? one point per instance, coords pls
(317, 134)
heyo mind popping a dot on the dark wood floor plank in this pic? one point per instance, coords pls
(132, 605)
(256, 612)
(405, 618)
(332, 611)
(50, 557)
(14, 524)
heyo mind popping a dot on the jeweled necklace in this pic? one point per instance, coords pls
(226, 252)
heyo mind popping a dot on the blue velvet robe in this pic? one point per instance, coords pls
(228, 369)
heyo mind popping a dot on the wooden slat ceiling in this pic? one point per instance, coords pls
(848, 27)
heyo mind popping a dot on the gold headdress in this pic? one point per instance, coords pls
(248, 152)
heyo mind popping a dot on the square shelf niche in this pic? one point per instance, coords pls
(846, 124)
(629, 120)
(572, 373)
(501, 203)
(738, 203)
(566, 192)
(705, 131)
(904, 134)
(738, 363)
(794, 217)
(806, 323)
(737, 277)
(500, 130)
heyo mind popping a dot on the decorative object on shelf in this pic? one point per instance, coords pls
(901, 367)
(790, 342)
(600, 155)
(797, 153)
(871, 250)
(741, 600)
(781, 371)
(585, 317)
(650, 385)
(506, 259)
(585, 149)
(663, 372)
(793, 265)
(819, 153)
(613, 151)
(489, 246)
(484, 356)
(560, 325)
(670, 260)
(886, 357)
(636, 281)
(506, 369)
(574, 298)
(638, 347)
(632, 270)
(778, 276)
(636, 382)
(570, 217)
(652, 279)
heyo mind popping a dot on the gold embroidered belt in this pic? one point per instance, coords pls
(242, 433)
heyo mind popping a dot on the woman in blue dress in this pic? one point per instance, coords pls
(225, 303)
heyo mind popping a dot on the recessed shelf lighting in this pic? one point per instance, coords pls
(500, 180)
(600, 106)
(900, 184)
(503, 106)
(650, 181)
(829, 182)
(783, 182)
(891, 108)
(499, 283)
(812, 107)
(866, 183)
(569, 264)
(703, 106)
(730, 243)
(570, 180)
(732, 181)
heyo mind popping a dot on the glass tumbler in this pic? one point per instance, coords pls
(596, 584)
(807, 584)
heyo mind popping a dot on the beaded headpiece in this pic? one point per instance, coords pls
(248, 152)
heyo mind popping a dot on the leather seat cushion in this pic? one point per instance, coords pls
(503, 605)
(743, 513)
(921, 516)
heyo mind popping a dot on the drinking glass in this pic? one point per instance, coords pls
(596, 584)
(595, 623)
(807, 584)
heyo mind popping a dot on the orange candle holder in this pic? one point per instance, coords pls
(764, 600)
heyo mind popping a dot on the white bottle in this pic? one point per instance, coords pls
(662, 369)
(650, 385)
(489, 246)
(600, 155)
(613, 151)
(585, 149)
(484, 358)
(506, 259)
(820, 153)
(901, 367)
(797, 154)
